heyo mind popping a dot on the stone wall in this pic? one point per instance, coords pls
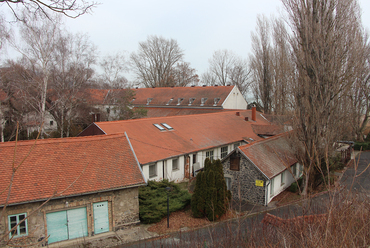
(123, 210)
(243, 182)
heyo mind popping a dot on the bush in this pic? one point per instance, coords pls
(362, 146)
(153, 200)
(210, 198)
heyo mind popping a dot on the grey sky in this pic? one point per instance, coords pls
(200, 27)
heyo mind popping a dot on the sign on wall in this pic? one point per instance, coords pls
(259, 183)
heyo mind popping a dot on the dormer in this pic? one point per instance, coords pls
(191, 100)
(203, 101)
(148, 101)
(216, 101)
(179, 101)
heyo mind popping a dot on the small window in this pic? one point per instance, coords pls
(282, 182)
(152, 170)
(294, 170)
(21, 229)
(51, 123)
(224, 151)
(234, 162)
(133, 99)
(216, 100)
(108, 110)
(191, 100)
(272, 187)
(159, 127)
(179, 101)
(236, 145)
(169, 102)
(148, 101)
(175, 164)
(209, 154)
(194, 158)
(203, 101)
(167, 126)
(228, 183)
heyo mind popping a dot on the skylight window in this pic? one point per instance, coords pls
(167, 126)
(216, 100)
(169, 102)
(203, 101)
(148, 101)
(159, 127)
(191, 100)
(179, 101)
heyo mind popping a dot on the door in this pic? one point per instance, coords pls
(101, 217)
(69, 224)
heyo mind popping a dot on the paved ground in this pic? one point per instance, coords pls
(357, 177)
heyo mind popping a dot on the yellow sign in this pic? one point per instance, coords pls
(259, 183)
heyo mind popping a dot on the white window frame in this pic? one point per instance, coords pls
(224, 153)
(282, 178)
(228, 182)
(236, 145)
(175, 164)
(153, 174)
(17, 231)
(272, 187)
(209, 154)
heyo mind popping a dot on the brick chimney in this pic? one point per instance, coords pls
(237, 113)
(254, 113)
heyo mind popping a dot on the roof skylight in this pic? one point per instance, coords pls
(167, 126)
(191, 100)
(216, 100)
(203, 101)
(179, 101)
(159, 127)
(148, 101)
(169, 102)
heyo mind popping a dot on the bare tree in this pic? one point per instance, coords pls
(323, 33)
(240, 75)
(69, 8)
(155, 60)
(113, 68)
(261, 63)
(39, 38)
(184, 75)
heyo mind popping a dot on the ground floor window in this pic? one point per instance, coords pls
(209, 154)
(228, 183)
(175, 164)
(21, 229)
(152, 170)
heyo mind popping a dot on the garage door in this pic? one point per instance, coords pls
(101, 217)
(69, 224)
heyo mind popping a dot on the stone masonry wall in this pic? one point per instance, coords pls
(123, 209)
(243, 182)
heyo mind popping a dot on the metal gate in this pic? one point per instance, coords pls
(101, 217)
(69, 224)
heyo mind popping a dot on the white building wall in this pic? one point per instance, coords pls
(235, 100)
(278, 187)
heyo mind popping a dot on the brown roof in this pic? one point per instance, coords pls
(190, 133)
(272, 156)
(161, 96)
(99, 163)
(267, 129)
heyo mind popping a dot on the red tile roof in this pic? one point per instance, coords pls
(272, 156)
(161, 96)
(267, 129)
(190, 133)
(99, 163)
(158, 112)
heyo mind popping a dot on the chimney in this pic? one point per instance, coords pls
(97, 117)
(93, 117)
(254, 113)
(246, 119)
(237, 113)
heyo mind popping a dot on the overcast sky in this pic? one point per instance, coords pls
(200, 27)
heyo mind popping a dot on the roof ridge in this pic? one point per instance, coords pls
(265, 140)
(62, 140)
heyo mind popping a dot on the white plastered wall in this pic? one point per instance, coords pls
(235, 100)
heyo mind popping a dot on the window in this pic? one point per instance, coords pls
(21, 229)
(236, 145)
(272, 187)
(194, 158)
(216, 100)
(148, 101)
(191, 100)
(169, 102)
(175, 164)
(282, 178)
(179, 101)
(228, 183)
(203, 101)
(294, 170)
(234, 162)
(224, 151)
(152, 170)
(51, 123)
(209, 154)
(159, 127)
(167, 126)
